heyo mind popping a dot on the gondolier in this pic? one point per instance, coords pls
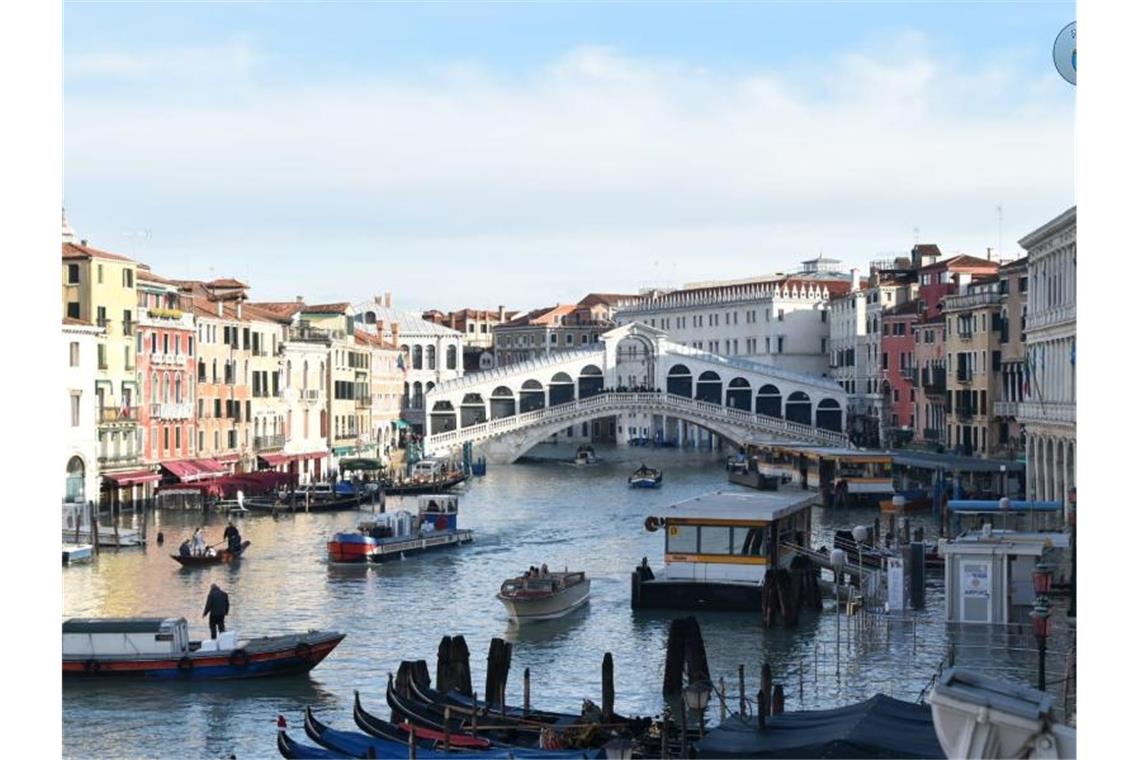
(217, 607)
(233, 538)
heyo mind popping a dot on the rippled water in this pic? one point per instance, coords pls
(525, 514)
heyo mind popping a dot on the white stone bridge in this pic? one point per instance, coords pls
(633, 373)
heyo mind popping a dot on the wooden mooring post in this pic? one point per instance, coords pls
(723, 701)
(778, 699)
(526, 691)
(740, 673)
(766, 683)
(607, 688)
(94, 527)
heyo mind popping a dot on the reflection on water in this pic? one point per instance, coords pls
(578, 517)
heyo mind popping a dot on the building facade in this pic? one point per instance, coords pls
(973, 358)
(1013, 285)
(477, 327)
(81, 439)
(1048, 411)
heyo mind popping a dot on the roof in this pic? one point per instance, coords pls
(145, 275)
(926, 249)
(79, 251)
(609, 299)
(410, 322)
(327, 308)
(878, 727)
(225, 282)
(854, 455)
(961, 261)
(952, 462)
(545, 316)
(119, 625)
(903, 309)
(741, 505)
(1008, 266)
(279, 308)
(256, 312)
(1051, 227)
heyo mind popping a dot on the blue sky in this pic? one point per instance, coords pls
(526, 153)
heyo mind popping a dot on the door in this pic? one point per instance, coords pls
(975, 591)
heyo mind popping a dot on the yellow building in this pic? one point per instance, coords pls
(348, 381)
(98, 288)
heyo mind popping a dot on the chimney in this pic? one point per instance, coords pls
(378, 300)
(380, 327)
(221, 307)
(502, 313)
(300, 300)
(989, 254)
(387, 299)
(855, 278)
(83, 242)
(238, 307)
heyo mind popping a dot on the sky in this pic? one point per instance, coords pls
(477, 154)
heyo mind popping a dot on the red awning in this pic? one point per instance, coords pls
(134, 477)
(228, 458)
(189, 470)
(272, 460)
(313, 455)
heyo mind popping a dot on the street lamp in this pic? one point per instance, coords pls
(838, 558)
(1003, 505)
(1042, 609)
(860, 534)
(697, 699)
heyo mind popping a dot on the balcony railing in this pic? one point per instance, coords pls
(314, 334)
(934, 379)
(172, 411)
(268, 442)
(1046, 411)
(932, 434)
(1005, 408)
(119, 414)
(970, 301)
(965, 375)
(364, 403)
(1048, 317)
(310, 394)
(964, 413)
(910, 374)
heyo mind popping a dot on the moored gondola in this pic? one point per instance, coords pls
(431, 486)
(354, 744)
(426, 737)
(297, 751)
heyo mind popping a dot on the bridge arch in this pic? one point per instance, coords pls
(739, 394)
(829, 415)
(769, 401)
(561, 389)
(591, 381)
(531, 396)
(679, 381)
(442, 417)
(636, 361)
(798, 408)
(502, 403)
(709, 387)
(473, 410)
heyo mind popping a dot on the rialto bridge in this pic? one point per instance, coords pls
(632, 373)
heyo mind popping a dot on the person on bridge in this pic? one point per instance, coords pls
(217, 607)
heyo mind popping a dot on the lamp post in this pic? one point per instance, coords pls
(697, 699)
(838, 558)
(860, 534)
(1042, 609)
(1003, 505)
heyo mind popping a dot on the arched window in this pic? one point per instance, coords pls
(431, 357)
(709, 387)
(829, 416)
(679, 381)
(417, 357)
(288, 374)
(165, 388)
(502, 402)
(798, 408)
(154, 388)
(178, 388)
(451, 357)
(769, 402)
(590, 381)
(739, 394)
(75, 480)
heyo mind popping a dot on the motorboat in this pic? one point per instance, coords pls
(585, 455)
(544, 595)
(396, 534)
(645, 477)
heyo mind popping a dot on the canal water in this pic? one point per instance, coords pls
(524, 514)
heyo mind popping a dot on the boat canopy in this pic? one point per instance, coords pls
(994, 505)
(363, 464)
(120, 625)
(746, 508)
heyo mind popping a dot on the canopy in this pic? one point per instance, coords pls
(134, 477)
(361, 463)
(879, 727)
(189, 470)
(272, 460)
(400, 423)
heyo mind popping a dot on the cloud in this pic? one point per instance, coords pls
(589, 168)
(203, 64)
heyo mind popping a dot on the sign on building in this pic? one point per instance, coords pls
(896, 593)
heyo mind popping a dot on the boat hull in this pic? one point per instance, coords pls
(225, 556)
(417, 488)
(692, 595)
(358, 549)
(547, 608)
(260, 659)
(644, 483)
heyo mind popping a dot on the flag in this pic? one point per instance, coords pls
(401, 364)
(1027, 372)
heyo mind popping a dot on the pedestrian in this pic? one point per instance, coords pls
(217, 607)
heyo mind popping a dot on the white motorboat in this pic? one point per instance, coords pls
(544, 595)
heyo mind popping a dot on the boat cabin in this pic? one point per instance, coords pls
(843, 477)
(390, 525)
(541, 584)
(429, 469)
(440, 510)
(125, 637)
(733, 535)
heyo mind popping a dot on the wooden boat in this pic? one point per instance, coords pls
(395, 534)
(296, 751)
(355, 744)
(426, 737)
(409, 488)
(645, 477)
(161, 648)
(217, 558)
(544, 596)
(585, 455)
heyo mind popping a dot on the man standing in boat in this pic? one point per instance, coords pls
(233, 539)
(217, 607)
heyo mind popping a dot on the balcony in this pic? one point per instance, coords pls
(1046, 411)
(364, 403)
(1005, 408)
(120, 458)
(965, 336)
(173, 360)
(268, 442)
(310, 395)
(934, 379)
(910, 374)
(314, 335)
(970, 301)
(1048, 317)
(964, 413)
(118, 414)
(932, 435)
(172, 411)
(965, 375)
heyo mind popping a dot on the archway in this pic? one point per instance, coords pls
(829, 415)
(590, 381)
(769, 402)
(635, 365)
(502, 403)
(417, 395)
(798, 408)
(739, 394)
(561, 389)
(442, 417)
(417, 356)
(531, 396)
(473, 411)
(679, 381)
(709, 387)
(76, 474)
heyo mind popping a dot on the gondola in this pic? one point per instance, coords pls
(217, 558)
(358, 745)
(297, 751)
(461, 704)
(432, 486)
(426, 738)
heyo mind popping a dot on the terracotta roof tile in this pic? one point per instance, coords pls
(327, 308)
(226, 282)
(962, 260)
(77, 251)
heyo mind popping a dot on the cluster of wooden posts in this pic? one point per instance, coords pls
(786, 592)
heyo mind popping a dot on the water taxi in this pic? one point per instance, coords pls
(718, 548)
(645, 477)
(544, 595)
(585, 455)
(396, 534)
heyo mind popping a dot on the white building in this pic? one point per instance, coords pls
(1049, 411)
(851, 366)
(79, 345)
(779, 319)
(432, 353)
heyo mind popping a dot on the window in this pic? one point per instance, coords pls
(780, 315)
(75, 408)
(102, 356)
(780, 344)
(681, 539)
(73, 309)
(72, 274)
(715, 540)
(128, 278)
(74, 354)
(99, 274)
